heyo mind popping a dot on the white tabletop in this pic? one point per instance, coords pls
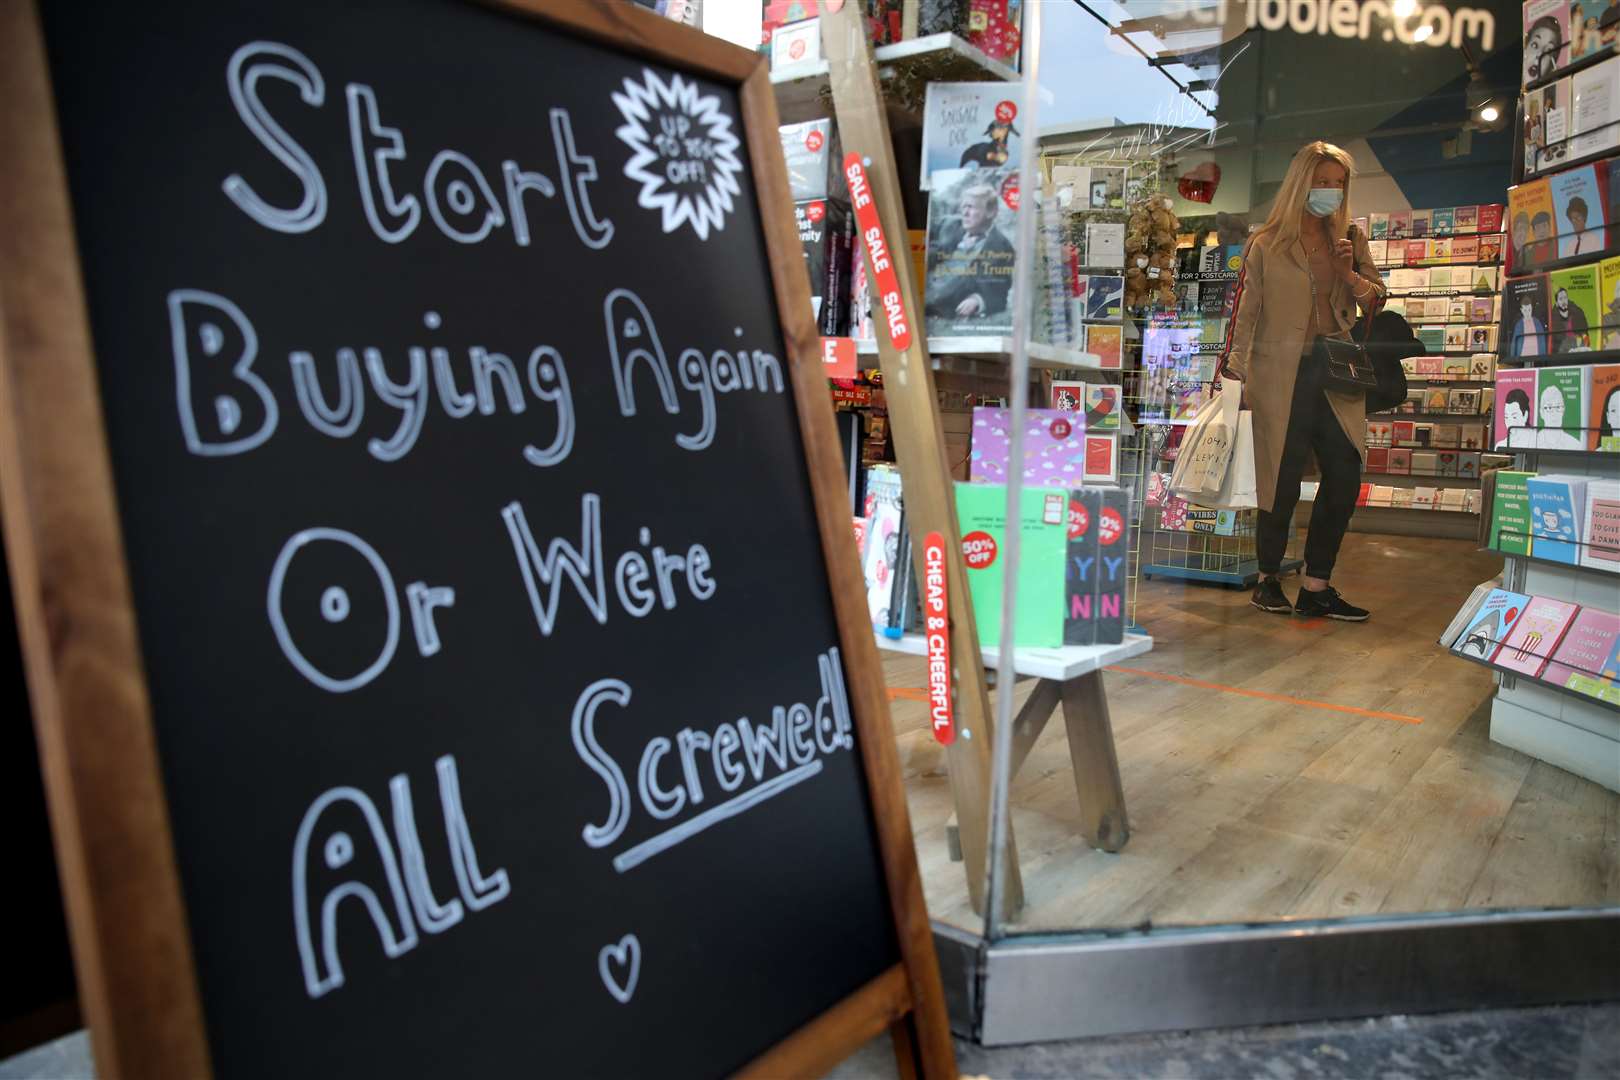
(1063, 664)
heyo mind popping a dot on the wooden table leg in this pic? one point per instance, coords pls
(1096, 763)
(1027, 727)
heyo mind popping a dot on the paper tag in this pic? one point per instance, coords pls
(1053, 512)
(838, 355)
(936, 628)
(889, 310)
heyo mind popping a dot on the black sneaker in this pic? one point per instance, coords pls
(1268, 596)
(1327, 604)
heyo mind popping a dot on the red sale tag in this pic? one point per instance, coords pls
(838, 354)
(889, 305)
(937, 634)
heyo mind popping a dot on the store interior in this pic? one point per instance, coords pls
(1286, 769)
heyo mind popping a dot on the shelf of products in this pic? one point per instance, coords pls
(999, 348)
(1549, 625)
(802, 88)
(1061, 664)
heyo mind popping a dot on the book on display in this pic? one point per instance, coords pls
(970, 255)
(1112, 545)
(1043, 551)
(1546, 39)
(1491, 624)
(1557, 505)
(1081, 571)
(1586, 660)
(1561, 397)
(1600, 526)
(1572, 310)
(1509, 528)
(1530, 645)
(1465, 614)
(1603, 414)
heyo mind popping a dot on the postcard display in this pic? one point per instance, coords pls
(1443, 268)
(1555, 515)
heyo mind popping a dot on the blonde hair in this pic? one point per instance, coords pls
(1281, 229)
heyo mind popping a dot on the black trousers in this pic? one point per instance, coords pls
(1312, 427)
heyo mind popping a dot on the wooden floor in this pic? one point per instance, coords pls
(1247, 803)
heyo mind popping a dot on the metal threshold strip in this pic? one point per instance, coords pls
(1047, 987)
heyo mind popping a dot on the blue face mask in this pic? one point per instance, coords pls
(1323, 201)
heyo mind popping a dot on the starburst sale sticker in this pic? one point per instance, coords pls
(685, 152)
(937, 635)
(888, 283)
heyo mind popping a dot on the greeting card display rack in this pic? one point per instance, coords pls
(1404, 520)
(1578, 733)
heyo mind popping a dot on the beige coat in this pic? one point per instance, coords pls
(1268, 338)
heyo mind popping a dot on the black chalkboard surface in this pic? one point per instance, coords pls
(500, 702)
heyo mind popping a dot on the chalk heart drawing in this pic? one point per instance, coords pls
(625, 957)
(683, 152)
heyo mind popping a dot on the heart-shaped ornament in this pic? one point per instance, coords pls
(620, 966)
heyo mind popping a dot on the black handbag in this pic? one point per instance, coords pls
(1388, 340)
(1346, 367)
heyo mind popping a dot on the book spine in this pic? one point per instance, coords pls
(904, 578)
(1080, 577)
(1113, 547)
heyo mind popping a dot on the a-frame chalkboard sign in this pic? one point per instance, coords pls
(431, 552)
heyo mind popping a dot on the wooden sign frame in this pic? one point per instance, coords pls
(92, 707)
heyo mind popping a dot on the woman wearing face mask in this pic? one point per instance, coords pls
(1305, 276)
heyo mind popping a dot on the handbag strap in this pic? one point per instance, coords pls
(1374, 303)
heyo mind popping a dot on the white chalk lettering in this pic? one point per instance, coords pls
(582, 565)
(777, 756)
(583, 728)
(409, 397)
(372, 168)
(193, 316)
(548, 380)
(423, 601)
(341, 814)
(329, 867)
(343, 420)
(486, 365)
(300, 543)
(578, 170)
(247, 66)
(462, 198)
(478, 891)
(633, 337)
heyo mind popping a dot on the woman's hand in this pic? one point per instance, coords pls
(1344, 259)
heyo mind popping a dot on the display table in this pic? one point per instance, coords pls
(1070, 676)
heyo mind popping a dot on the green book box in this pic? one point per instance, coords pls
(981, 511)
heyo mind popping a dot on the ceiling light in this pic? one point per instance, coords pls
(1424, 32)
(1490, 113)
(1403, 9)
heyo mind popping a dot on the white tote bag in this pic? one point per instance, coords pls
(1238, 492)
(1206, 452)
